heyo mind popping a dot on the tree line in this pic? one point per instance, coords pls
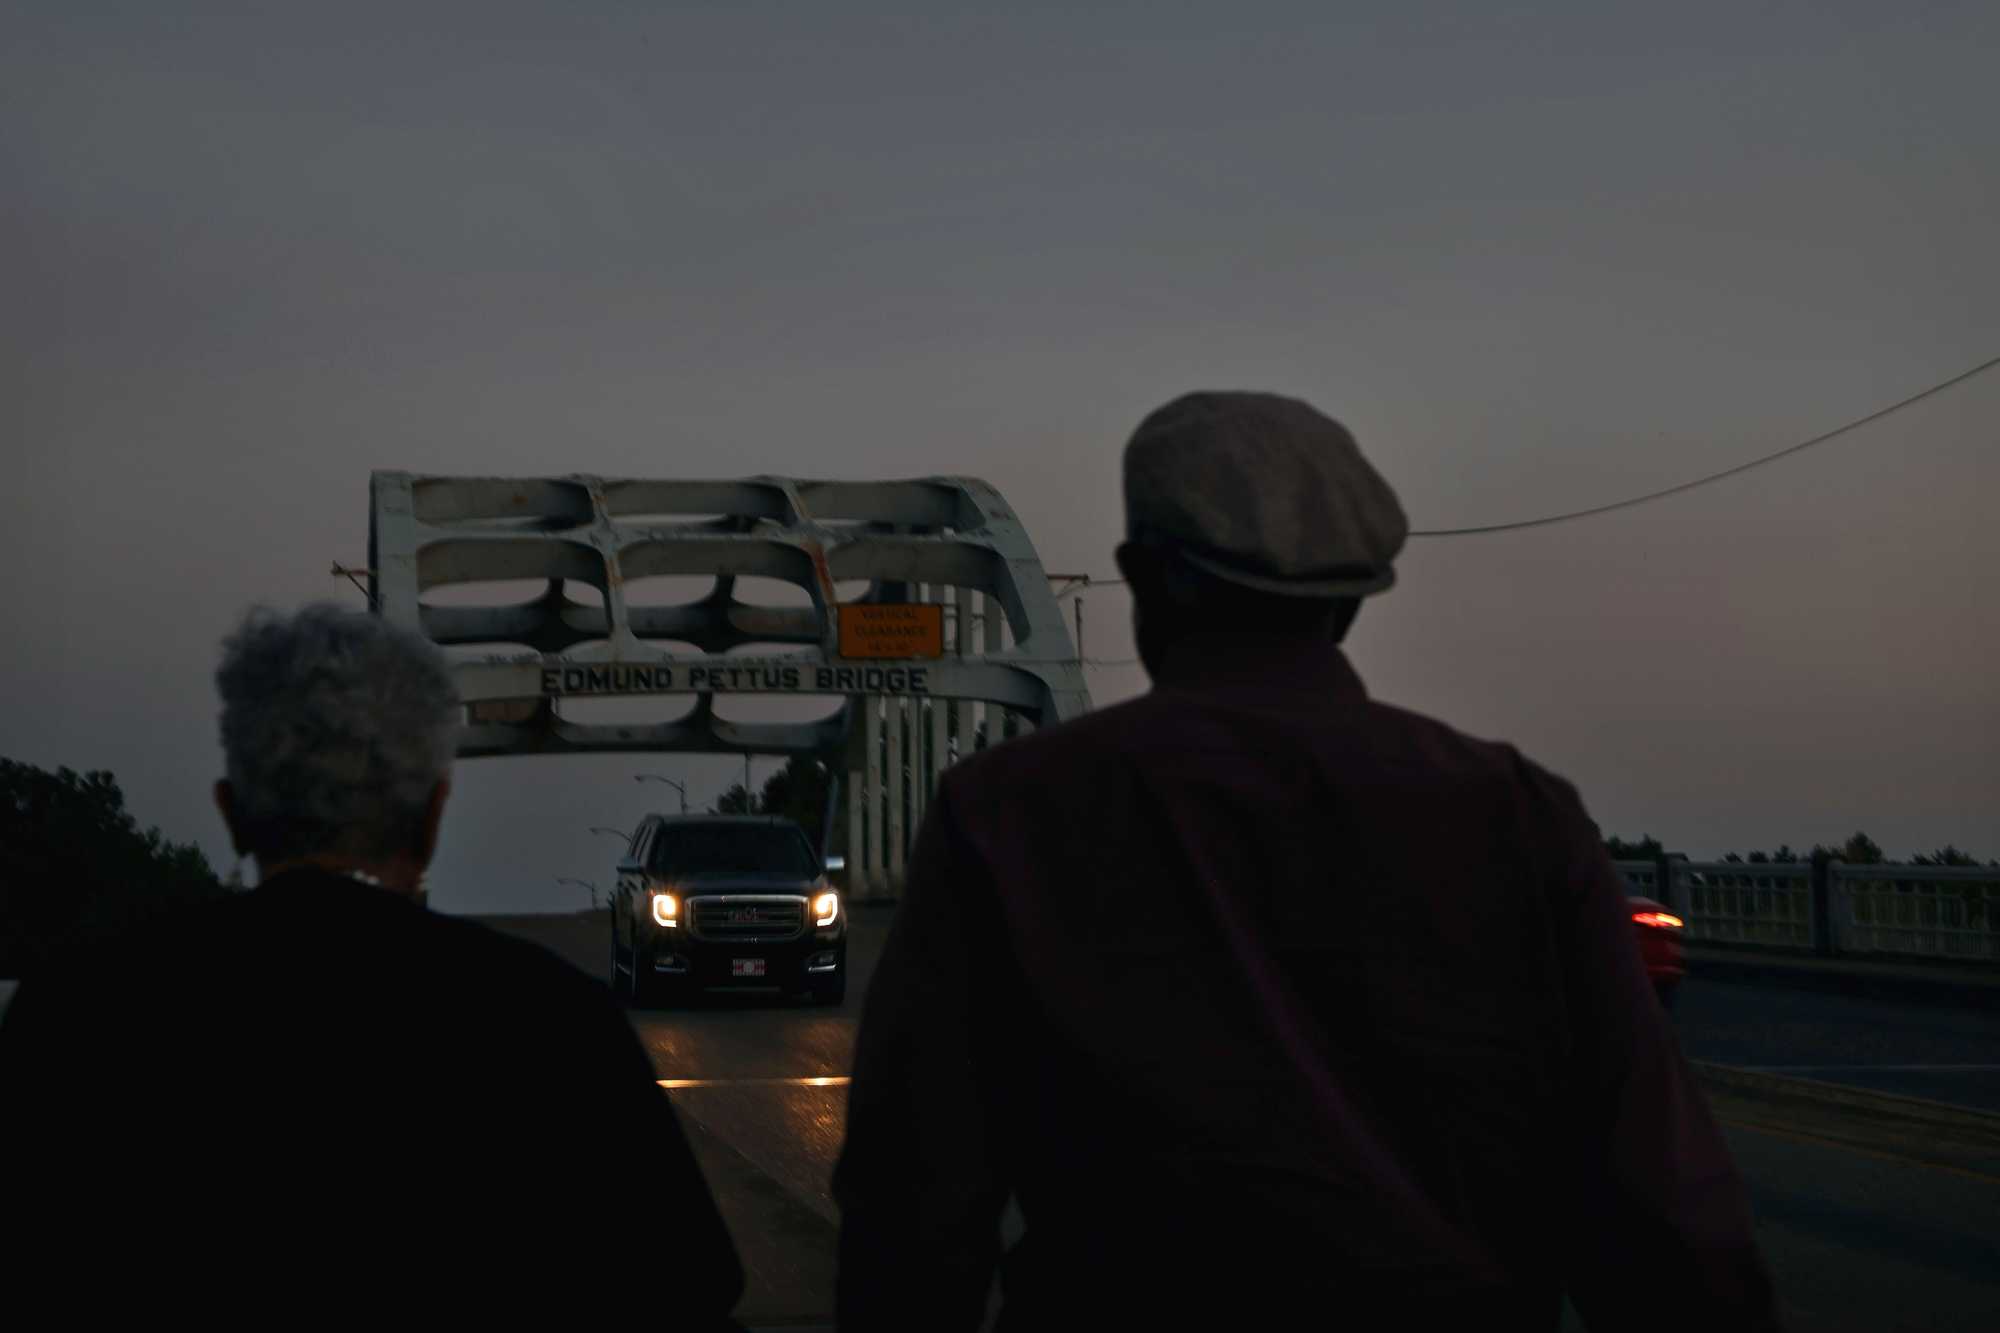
(796, 792)
(75, 864)
(1858, 850)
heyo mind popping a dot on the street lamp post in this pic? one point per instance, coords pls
(564, 879)
(661, 777)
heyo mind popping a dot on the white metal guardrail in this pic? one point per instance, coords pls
(1916, 911)
(1748, 903)
(1886, 911)
(1642, 878)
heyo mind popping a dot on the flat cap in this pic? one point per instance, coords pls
(1263, 491)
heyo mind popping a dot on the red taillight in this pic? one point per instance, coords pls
(1664, 920)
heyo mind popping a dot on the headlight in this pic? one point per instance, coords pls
(826, 908)
(666, 909)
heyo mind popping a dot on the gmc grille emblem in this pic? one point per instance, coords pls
(743, 916)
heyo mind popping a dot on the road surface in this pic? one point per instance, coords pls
(1865, 1229)
(1915, 1050)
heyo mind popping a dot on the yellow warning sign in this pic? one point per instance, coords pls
(914, 630)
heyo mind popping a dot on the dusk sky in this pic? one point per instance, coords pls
(1537, 257)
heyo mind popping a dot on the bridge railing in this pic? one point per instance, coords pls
(1917, 911)
(1830, 907)
(1732, 903)
(1642, 878)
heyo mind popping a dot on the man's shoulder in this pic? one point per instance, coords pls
(1427, 734)
(1057, 750)
(1393, 744)
(499, 963)
(1437, 747)
(1167, 718)
(300, 924)
(511, 955)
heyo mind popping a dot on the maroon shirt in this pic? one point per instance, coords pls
(1260, 996)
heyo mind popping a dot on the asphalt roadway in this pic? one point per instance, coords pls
(1910, 1049)
(1874, 1170)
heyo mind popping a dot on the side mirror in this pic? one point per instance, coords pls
(834, 863)
(627, 866)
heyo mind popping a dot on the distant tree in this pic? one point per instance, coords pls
(1946, 855)
(75, 864)
(1783, 856)
(1646, 849)
(1858, 850)
(798, 793)
(1861, 849)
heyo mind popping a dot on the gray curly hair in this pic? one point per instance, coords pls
(336, 725)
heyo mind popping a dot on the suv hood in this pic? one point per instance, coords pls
(723, 881)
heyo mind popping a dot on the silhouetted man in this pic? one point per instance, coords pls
(1264, 999)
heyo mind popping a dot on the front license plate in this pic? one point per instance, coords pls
(746, 967)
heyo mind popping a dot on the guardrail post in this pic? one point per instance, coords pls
(859, 883)
(1839, 910)
(1673, 888)
(1822, 905)
(894, 827)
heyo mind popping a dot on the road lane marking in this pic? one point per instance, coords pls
(1872, 1069)
(1798, 1136)
(815, 1082)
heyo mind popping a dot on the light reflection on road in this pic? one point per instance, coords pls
(765, 1078)
(790, 1132)
(840, 1081)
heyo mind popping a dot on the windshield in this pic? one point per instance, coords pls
(753, 849)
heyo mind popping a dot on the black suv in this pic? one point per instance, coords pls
(725, 900)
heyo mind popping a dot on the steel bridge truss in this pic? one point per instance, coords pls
(1007, 662)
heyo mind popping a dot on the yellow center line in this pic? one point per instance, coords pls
(839, 1081)
(1798, 1137)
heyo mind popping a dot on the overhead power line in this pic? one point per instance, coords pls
(1650, 496)
(1078, 584)
(1087, 584)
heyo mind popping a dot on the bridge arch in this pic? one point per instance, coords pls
(948, 636)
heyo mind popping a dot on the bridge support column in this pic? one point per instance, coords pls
(962, 710)
(940, 742)
(871, 796)
(920, 771)
(897, 760)
(993, 639)
(855, 761)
